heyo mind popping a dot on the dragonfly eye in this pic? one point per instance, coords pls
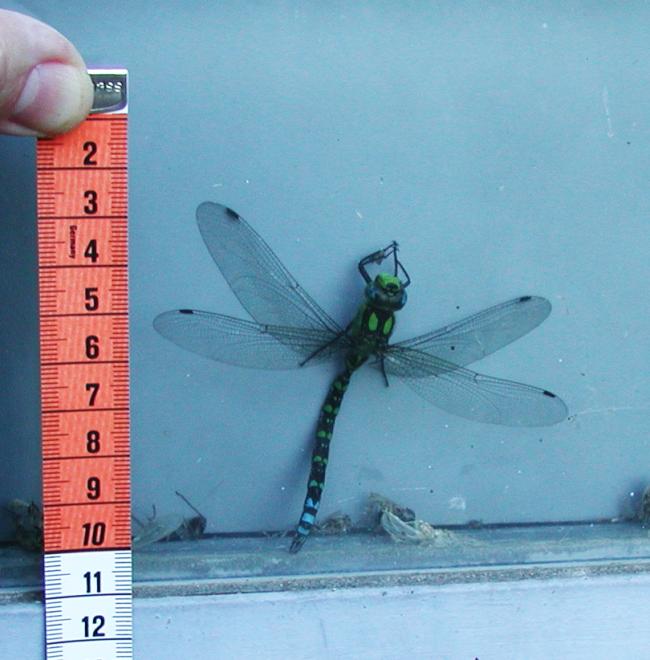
(386, 291)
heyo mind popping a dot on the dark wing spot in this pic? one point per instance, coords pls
(524, 298)
(453, 348)
(186, 311)
(232, 214)
(547, 393)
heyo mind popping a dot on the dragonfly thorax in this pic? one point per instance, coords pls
(386, 292)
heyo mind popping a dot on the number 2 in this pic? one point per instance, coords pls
(91, 149)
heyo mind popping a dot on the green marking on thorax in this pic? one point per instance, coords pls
(388, 326)
(373, 322)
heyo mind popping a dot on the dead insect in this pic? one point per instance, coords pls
(402, 526)
(28, 524)
(337, 523)
(169, 527)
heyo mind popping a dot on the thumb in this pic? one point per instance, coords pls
(44, 86)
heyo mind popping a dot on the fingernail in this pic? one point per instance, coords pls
(55, 97)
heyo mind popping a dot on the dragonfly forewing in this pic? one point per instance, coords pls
(481, 334)
(263, 285)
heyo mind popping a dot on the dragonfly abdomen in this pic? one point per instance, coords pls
(320, 457)
(369, 333)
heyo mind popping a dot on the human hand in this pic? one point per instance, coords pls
(44, 86)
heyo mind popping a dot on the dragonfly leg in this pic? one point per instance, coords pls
(319, 458)
(379, 256)
(383, 370)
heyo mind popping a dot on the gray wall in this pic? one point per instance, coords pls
(504, 146)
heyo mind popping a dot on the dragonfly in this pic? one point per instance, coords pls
(291, 330)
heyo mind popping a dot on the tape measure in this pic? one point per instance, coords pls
(84, 362)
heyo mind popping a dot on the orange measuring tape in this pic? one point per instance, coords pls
(84, 360)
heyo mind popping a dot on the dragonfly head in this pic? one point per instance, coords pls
(387, 292)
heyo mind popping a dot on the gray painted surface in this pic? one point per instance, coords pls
(505, 147)
(590, 618)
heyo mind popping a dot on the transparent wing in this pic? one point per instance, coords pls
(156, 529)
(264, 287)
(481, 334)
(246, 343)
(471, 395)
